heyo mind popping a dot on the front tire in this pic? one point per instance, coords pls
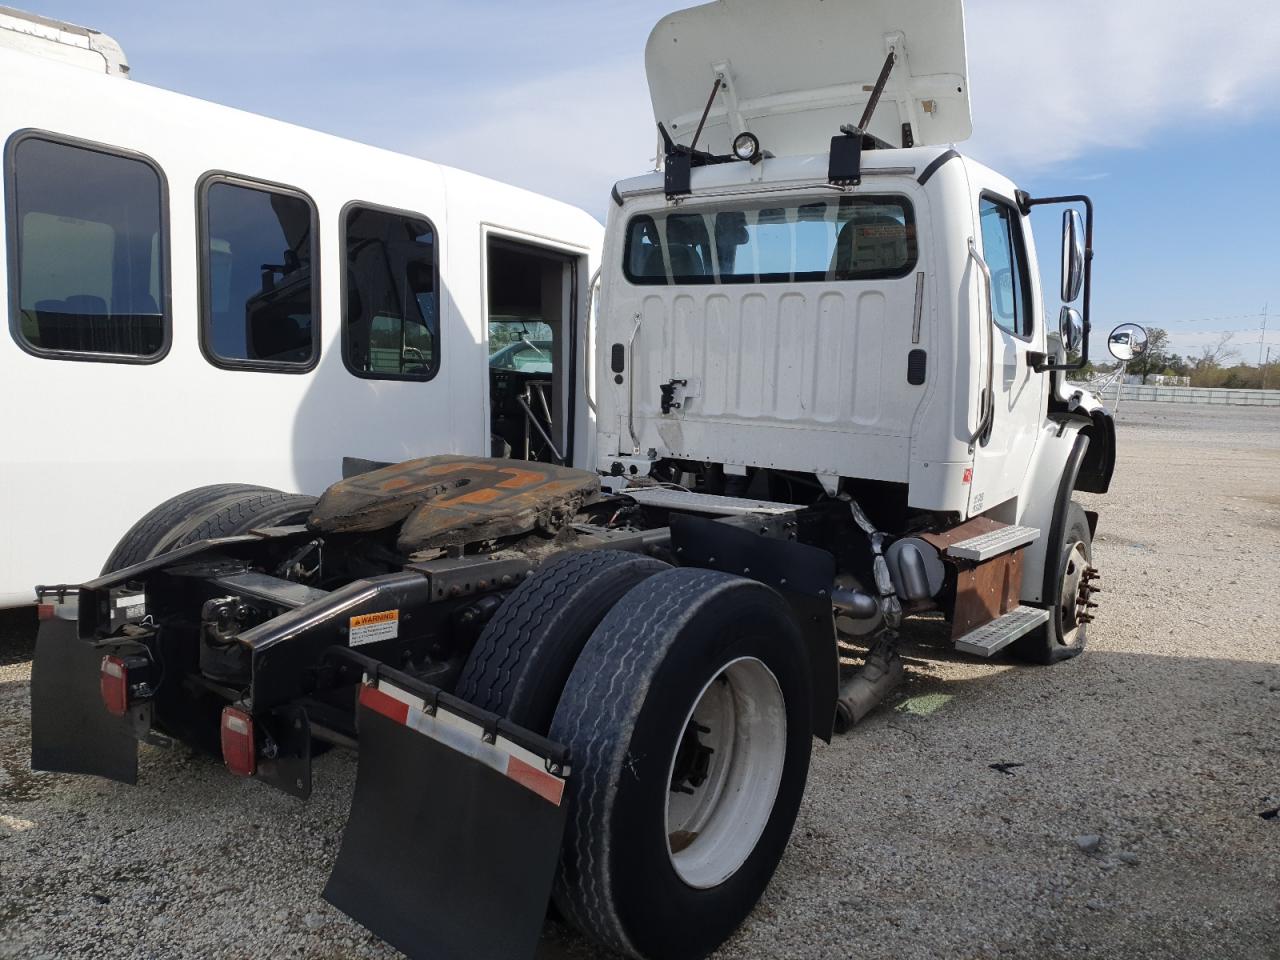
(1065, 635)
(688, 718)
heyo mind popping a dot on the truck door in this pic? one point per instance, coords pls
(531, 306)
(1014, 322)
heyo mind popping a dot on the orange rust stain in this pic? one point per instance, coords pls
(487, 495)
(519, 479)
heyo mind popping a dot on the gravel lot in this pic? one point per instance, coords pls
(1139, 821)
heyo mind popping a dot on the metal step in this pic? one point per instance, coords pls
(665, 498)
(991, 638)
(988, 545)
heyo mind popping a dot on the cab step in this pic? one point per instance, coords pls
(992, 544)
(990, 638)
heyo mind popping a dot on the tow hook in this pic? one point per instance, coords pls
(668, 389)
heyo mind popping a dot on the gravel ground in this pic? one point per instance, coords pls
(1135, 816)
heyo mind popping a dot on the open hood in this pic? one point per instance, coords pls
(794, 71)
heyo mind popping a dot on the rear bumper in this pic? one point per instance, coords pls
(454, 809)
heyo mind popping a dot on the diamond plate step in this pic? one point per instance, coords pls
(667, 499)
(988, 545)
(990, 638)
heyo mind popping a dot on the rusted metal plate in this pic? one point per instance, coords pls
(986, 591)
(966, 531)
(452, 500)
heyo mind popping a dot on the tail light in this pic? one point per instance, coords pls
(113, 681)
(238, 750)
(45, 611)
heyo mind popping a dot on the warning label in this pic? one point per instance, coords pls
(372, 627)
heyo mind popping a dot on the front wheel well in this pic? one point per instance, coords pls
(1100, 459)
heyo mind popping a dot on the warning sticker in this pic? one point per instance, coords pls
(372, 627)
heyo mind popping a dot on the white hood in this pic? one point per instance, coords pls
(795, 70)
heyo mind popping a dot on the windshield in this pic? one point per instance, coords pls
(520, 344)
(849, 238)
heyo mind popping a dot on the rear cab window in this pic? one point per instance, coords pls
(260, 283)
(845, 238)
(88, 251)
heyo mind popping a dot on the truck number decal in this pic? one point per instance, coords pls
(372, 627)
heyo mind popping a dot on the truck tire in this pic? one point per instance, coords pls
(688, 719)
(1064, 636)
(240, 513)
(143, 540)
(520, 663)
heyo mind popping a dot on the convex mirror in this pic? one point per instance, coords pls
(1071, 329)
(1127, 341)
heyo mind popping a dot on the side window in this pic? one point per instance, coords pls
(1003, 249)
(261, 289)
(391, 317)
(90, 238)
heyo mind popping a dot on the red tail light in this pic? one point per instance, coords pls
(238, 750)
(45, 611)
(113, 681)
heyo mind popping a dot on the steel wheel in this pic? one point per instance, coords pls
(1072, 599)
(725, 772)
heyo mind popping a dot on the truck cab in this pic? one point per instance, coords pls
(802, 307)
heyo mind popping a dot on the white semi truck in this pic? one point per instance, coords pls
(822, 402)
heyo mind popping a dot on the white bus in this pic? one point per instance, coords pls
(197, 294)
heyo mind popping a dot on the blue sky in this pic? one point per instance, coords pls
(1162, 110)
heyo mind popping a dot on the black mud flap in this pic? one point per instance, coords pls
(454, 832)
(71, 730)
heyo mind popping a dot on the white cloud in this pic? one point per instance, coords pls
(1051, 82)
(571, 136)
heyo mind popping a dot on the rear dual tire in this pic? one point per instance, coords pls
(630, 876)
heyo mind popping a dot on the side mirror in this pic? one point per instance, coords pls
(1072, 256)
(1127, 342)
(1071, 329)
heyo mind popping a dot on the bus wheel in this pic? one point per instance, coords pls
(239, 514)
(688, 722)
(148, 537)
(520, 663)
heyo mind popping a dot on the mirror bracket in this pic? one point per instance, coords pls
(1026, 203)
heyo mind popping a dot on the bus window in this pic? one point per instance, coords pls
(391, 327)
(260, 296)
(88, 225)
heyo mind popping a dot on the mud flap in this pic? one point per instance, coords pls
(454, 832)
(71, 730)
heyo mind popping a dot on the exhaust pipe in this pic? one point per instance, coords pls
(880, 674)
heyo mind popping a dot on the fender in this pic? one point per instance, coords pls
(1098, 424)
(1055, 469)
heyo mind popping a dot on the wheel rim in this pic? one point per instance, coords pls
(1070, 602)
(726, 768)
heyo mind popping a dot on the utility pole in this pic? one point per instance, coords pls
(1262, 337)
(1266, 366)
